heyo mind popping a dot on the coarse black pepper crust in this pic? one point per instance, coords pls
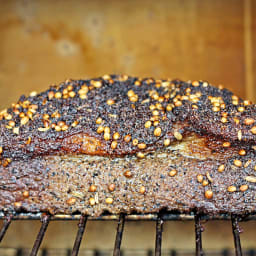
(189, 146)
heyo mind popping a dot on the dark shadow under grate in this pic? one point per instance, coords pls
(126, 252)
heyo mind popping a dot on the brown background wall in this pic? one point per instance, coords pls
(45, 42)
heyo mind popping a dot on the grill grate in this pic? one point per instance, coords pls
(45, 221)
(159, 231)
(159, 218)
(124, 252)
(79, 236)
(198, 232)
(236, 235)
(119, 235)
(7, 222)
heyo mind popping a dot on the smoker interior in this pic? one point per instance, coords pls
(45, 42)
(160, 221)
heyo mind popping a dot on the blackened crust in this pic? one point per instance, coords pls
(66, 118)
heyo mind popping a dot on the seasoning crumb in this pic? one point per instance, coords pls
(200, 178)
(221, 168)
(243, 188)
(239, 135)
(26, 194)
(237, 163)
(71, 201)
(142, 145)
(17, 205)
(142, 190)
(110, 102)
(92, 188)
(116, 136)
(128, 174)
(177, 135)
(157, 132)
(208, 194)
(205, 183)
(226, 144)
(140, 155)
(249, 121)
(172, 173)
(114, 144)
(148, 124)
(109, 200)
(231, 189)
(250, 179)
(253, 130)
(209, 177)
(242, 152)
(127, 138)
(167, 142)
(92, 201)
(111, 187)
(99, 120)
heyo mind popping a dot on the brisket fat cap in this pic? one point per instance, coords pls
(165, 144)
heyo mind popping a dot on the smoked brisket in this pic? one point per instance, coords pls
(126, 144)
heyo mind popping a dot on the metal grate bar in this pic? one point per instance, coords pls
(7, 222)
(198, 231)
(45, 221)
(251, 253)
(236, 234)
(173, 253)
(19, 252)
(224, 252)
(79, 236)
(159, 231)
(96, 253)
(119, 235)
(149, 253)
(44, 252)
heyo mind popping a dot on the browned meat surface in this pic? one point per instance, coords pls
(123, 144)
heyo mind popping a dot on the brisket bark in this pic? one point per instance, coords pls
(124, 144)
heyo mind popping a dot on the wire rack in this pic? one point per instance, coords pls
(121, 219)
